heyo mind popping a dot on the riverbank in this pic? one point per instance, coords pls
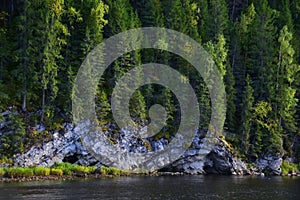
(67, 171)
(61, 171)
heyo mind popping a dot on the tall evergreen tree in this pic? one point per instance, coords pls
(4, 54)
(285, 89)
(85, 22)
(239, 60)
(218, 20)
(262, 51)
(55, 39)
(123, 17)
(247, 104)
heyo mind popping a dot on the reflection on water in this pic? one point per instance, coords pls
(182, 187)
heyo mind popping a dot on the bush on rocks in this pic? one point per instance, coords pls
(56, 172)
(42, 171)
(19, 172)
(2, 172)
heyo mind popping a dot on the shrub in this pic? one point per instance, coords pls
(27, 172)
(2, 172)
(114, 171)
(111, 171)
(104, 170)
(65, 167)
(83, 169)
(42, 171)
(287, 167)
(56, 172)
(19, 172)
(92, 169)
(80, 169)
(69, 169)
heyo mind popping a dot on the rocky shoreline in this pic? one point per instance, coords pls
(66, 146)
(99, 176)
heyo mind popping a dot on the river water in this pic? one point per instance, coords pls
(163, 187)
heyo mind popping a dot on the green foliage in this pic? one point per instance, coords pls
(13, 142)
(112, 171)
(266, 137)
(2, 172)
(42, 171)
(218, 19)
(65, 167)
(288, 167)
(103, 107)
(19, 172)
(69, 169)
(83, 169)
(247, 101)
(286, 74)
(4, 159)
(43, 44)
(56, 172)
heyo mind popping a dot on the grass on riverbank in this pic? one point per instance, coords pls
(59, 170)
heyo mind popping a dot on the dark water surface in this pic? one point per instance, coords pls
(167, 187)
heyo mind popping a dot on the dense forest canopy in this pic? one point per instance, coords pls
(254, 43)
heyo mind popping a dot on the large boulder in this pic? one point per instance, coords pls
(201, 159)
(269, 164)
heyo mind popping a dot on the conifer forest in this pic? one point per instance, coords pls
(255, 45)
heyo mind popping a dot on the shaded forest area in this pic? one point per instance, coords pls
(254, 43)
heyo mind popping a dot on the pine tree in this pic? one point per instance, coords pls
(229, 81)
(25, 72)
(286, 101)
(55, 37)
(85, 22)
(184, 18)
(4, 59)
(218, 52)
(203, 21)
(247, 104)
(266, 136)
(123, 18)
(218, 20)
(261, 51)
(239, 60)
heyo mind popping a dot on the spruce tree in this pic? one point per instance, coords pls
(85, 22)
(245, 128)
(122, 18)
(4, 59)
(239, 60)
(286, 101)
(261, 52)
(55, 39)
(218, 20)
